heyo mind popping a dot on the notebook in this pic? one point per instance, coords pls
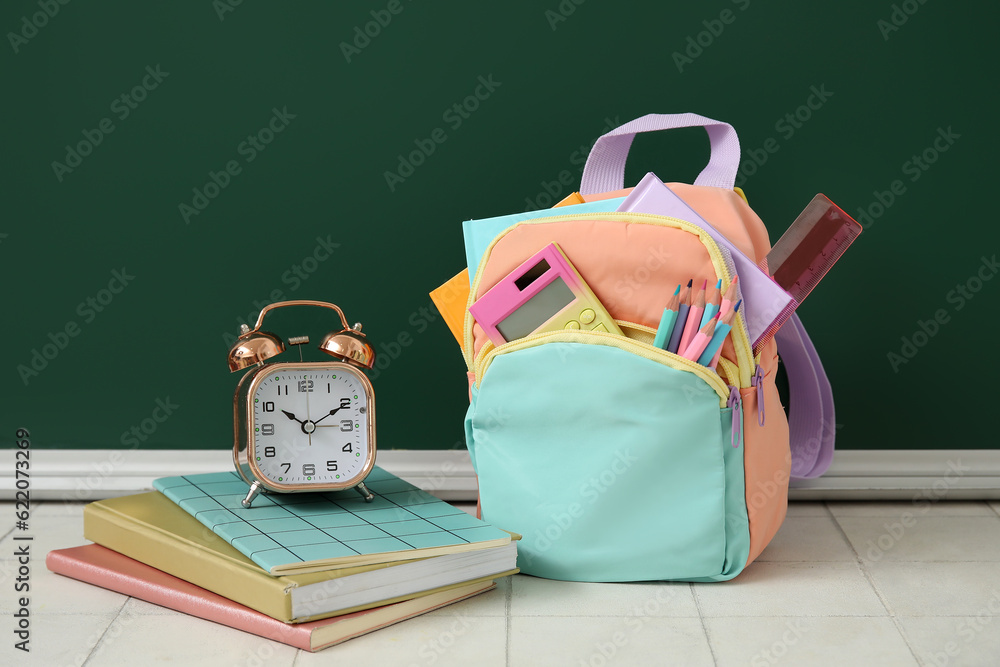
(763, 299)
(309, 532)
(480, 233)
(153, 530)
(103, 567)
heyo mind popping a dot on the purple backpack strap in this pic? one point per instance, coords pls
(811, 424)
(605, 168)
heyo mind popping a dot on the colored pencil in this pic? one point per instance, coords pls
(693, 322)
(710, 357)
(700, 340)
(730, 296)
(668, 320)
(712, 303)
(682, 313)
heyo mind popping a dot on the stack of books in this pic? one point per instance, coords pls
(310, 570)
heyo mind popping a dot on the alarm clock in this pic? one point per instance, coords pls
(303, 426)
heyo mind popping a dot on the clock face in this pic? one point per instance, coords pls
(311, 425)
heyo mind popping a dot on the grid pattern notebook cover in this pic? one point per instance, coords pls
(307, 532)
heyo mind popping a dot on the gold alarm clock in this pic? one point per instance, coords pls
(303, 426)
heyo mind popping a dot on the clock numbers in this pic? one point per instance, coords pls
(310, 440)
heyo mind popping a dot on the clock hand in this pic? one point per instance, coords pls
(332, 412)
(292, 417)
(308, 417)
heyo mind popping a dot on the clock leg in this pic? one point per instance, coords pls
(254, 490)
(365, 493)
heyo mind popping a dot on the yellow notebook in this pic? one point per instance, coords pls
(153, 530)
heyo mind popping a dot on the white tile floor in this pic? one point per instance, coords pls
(842, 584)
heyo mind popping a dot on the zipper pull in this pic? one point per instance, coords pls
(758, 381)
(735, 402)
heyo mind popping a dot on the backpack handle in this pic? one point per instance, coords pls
(605, 168)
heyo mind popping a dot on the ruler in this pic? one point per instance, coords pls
(806, 252)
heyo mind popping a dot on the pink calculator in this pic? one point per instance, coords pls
(545, 293)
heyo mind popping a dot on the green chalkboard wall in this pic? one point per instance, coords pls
(168, 168)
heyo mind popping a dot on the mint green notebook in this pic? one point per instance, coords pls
(479, 234)
(307, 532)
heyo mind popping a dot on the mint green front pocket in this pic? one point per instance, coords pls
(612, 466)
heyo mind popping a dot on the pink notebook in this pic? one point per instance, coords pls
(109, 569)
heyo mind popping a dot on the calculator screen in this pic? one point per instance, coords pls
(536, 311)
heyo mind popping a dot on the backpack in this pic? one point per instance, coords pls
(614, 459)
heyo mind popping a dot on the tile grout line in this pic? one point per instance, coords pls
(507, 620)
(878, 593)
(100, 640)
(701, 618)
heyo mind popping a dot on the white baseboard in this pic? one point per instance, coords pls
(888, 474)
(85, 475)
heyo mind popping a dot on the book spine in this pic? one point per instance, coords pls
(187, 561)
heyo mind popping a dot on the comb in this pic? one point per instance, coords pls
(806, 252)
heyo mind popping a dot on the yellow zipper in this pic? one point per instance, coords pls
(483, 351)
(744, 353)
(728, 370)
(643, 350)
